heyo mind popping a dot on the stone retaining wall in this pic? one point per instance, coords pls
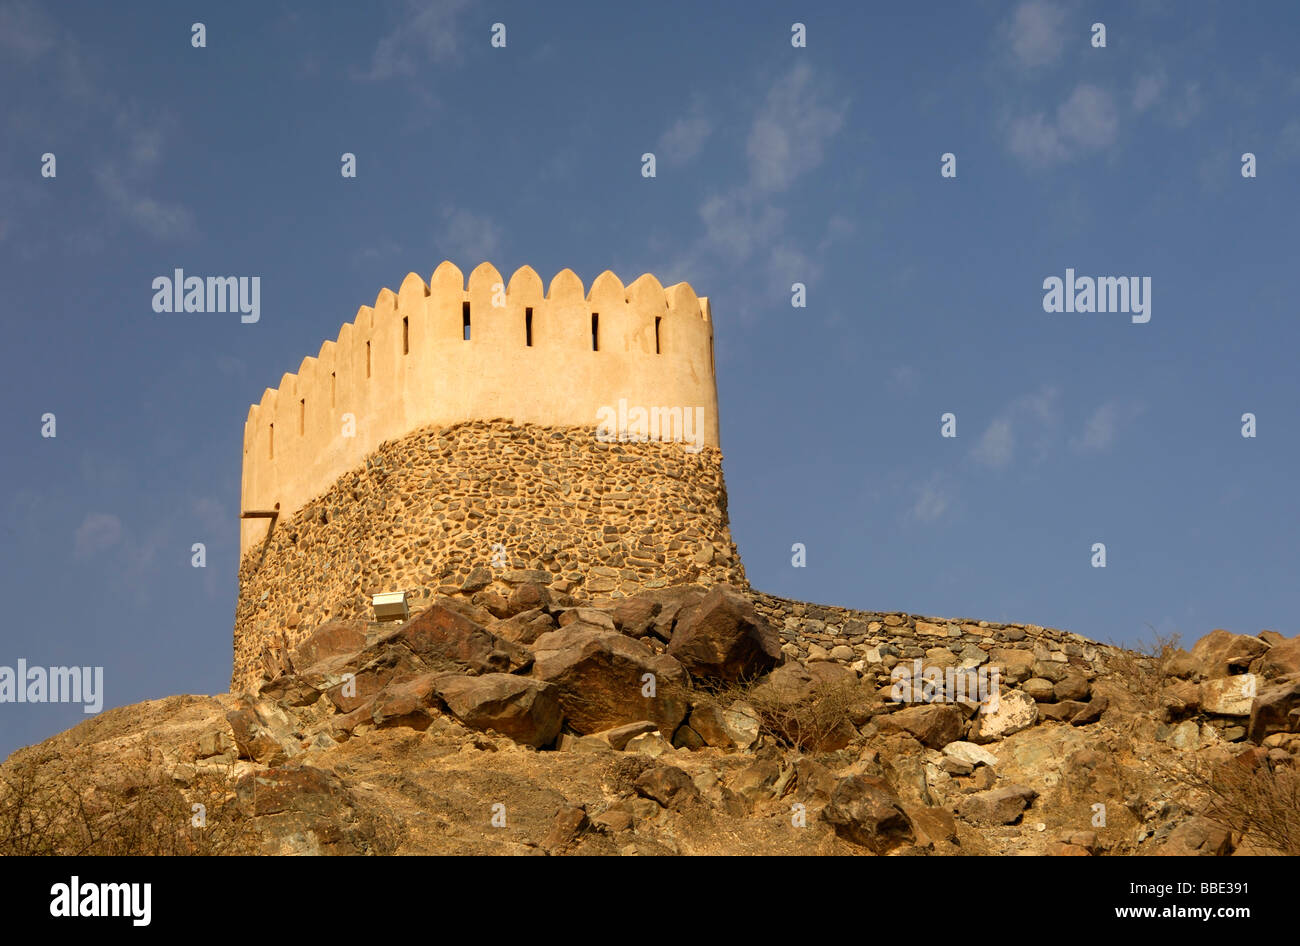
(822, 632)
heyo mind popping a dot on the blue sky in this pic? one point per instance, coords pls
(775, 165)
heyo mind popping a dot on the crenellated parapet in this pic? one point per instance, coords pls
(447, 352)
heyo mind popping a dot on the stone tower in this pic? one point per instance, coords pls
(456, 439)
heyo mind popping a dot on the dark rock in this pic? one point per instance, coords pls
(865, 811)
(724, 638)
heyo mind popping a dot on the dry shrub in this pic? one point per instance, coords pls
(1256, 800)
(1141, 671)
(811, 721)
(141, 812)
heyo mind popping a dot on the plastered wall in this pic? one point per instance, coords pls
(404, 364)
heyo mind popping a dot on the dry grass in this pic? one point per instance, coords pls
(142, 812)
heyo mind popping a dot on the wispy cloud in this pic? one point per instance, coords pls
(787, 138)
(789, 135)
(160, 219)
(1103, 425)
(1031, 419)
(1148, 90)
(26, 33)
(98, 532)
(684, 139)
(468, 236)
(932, 500)
(1035, 33)
(427, 32)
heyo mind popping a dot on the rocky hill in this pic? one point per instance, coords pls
(688, 720)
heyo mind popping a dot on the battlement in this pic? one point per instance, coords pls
(446, 352)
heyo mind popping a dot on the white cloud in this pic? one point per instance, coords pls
(789, 134)
(98, 532)
(1036, 414)
(736, 227)
(1148, 90)
(997, 445)
(1088, 118)
(1103, 425)
(468, 236)
(932, 500)
(1036, 33)
(1099, 431)
(427, 33)
(1036, 141)
(684, 139)
(1086, 122)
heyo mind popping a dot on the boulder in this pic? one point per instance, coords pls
(1196, 837)
(732, 727)
(1039, 689)
(523, 628)
(601, 676)
(439, 632)
(668, 785)
(1276, 708)
(1063, 712)
(1072, 686)
(592, 617)
(671, 602)
(332, 639)
(934, 724)
(262, 732)
(652, 744)
(934, 827)
(525, 709)
(406, 701)
(968, 753)
(1092, 712)
(865, 811)
(567, 825)
(723, 638)
(1221, 653)
(620, 736)
(1282, 657)
(755, 782)
(1180, 698)
(1229, 696)
(814, 781)
(1001, 716)
(997, 806)
(635, 616)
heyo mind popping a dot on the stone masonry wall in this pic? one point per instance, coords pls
(823, 632)
(423, 513)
